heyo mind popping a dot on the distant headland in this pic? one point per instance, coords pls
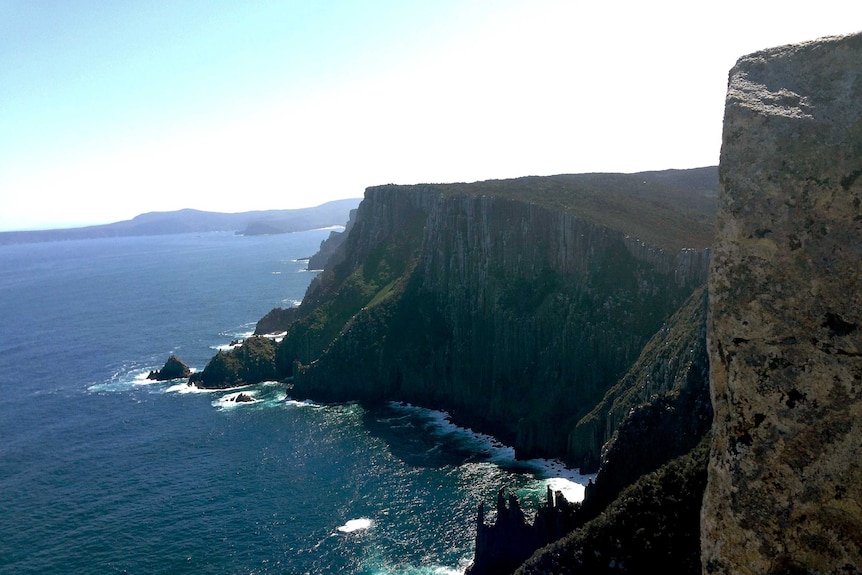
(260, 222)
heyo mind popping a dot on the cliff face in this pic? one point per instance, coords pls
(669, 383)
(660, 409)
(644, 507)
(785, 477)
(515, 315)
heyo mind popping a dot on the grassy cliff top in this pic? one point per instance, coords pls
(671, 209)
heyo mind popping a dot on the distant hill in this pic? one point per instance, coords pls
(190, 221)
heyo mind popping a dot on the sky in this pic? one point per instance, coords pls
(112, 109)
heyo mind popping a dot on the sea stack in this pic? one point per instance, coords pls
(174, 368)
(785, 329)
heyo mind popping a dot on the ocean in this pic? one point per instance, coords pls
(104, 471)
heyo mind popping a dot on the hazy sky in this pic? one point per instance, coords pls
(111, 109)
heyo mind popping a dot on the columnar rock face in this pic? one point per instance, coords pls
(514, 315)
(785, 344)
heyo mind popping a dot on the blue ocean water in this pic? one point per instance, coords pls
(102, 471)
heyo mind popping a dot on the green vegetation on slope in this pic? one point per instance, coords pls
(347, 294)
(251, 362)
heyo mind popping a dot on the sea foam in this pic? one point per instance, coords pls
(355, 525)
(554, 473)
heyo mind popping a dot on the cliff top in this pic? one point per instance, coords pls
(671, 209)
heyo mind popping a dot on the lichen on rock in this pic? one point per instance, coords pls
(785, 480)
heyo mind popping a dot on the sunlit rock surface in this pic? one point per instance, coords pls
(785, 478)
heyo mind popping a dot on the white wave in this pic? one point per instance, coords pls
(571, 490)
(231, 400)
(235, 342)
(301, 403)
(441, 422)
(187, 387)
(276, 336)
(423, 570)
(447, 571)
(355, 525)
(238, 341)
(125, 381)
(551, 471)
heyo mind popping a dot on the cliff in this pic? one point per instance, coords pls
(785, 476)
(514, 304)
(669, 383)
(644, 507)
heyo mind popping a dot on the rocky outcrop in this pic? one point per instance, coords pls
(502, 546)
(275, 321)
(252, 361)
(785, 344)
(506, 543)
(652, 527)
(174, 368)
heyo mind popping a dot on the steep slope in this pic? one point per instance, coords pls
(785, 477)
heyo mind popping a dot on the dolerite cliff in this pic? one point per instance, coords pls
(785, 344)
(643, 509)
(513, 304)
